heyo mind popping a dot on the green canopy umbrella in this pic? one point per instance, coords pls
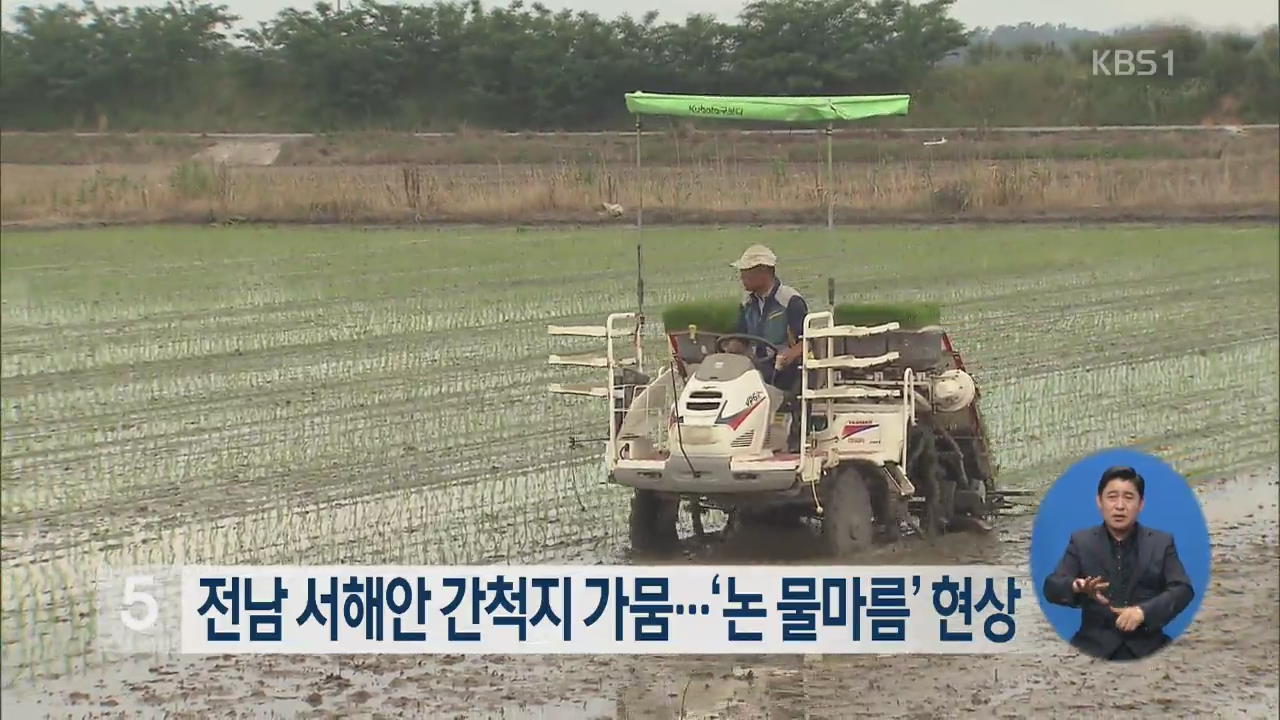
(785, 109)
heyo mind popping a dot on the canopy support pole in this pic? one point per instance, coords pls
(831, 197)
(639, 225)
(639, 180)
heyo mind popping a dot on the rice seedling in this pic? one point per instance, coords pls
(717, 316)
(907, 315)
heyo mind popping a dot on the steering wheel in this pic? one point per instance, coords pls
(755, 342)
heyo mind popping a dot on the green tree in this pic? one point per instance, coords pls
(841, 46)
(381, 64)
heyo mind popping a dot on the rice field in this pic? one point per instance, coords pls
(258, 395)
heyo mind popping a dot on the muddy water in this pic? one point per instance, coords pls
(1226, 664)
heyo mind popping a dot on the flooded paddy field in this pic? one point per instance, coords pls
(324, 396)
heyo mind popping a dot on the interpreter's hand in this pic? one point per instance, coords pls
(1092, 586)
(1129, 618)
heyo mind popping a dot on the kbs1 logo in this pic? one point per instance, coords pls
(1126, 63)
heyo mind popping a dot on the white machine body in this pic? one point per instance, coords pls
(727, 410)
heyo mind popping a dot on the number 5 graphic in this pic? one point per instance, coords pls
(133, 597)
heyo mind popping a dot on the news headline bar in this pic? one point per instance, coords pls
(572, 609)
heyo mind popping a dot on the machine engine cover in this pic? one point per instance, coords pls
(725, 409)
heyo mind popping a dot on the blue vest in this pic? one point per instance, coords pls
(769, 322)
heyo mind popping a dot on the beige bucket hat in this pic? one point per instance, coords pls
(755, 256)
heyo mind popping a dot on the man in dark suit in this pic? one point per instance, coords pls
(1126, 578)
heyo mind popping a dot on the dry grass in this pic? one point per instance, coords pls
(700, 191)
(672, 145)
(682, 145)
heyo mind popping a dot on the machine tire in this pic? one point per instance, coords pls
(847, 519)
(946, 503)
(885, 505)
(653, 522)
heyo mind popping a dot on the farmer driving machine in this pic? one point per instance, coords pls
(882, 434)
(889, 435)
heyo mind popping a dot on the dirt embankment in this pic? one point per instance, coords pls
(678, 147)
(204, 192)
(1224, 666)
(688, 178)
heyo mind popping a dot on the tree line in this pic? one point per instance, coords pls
(374, 65)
